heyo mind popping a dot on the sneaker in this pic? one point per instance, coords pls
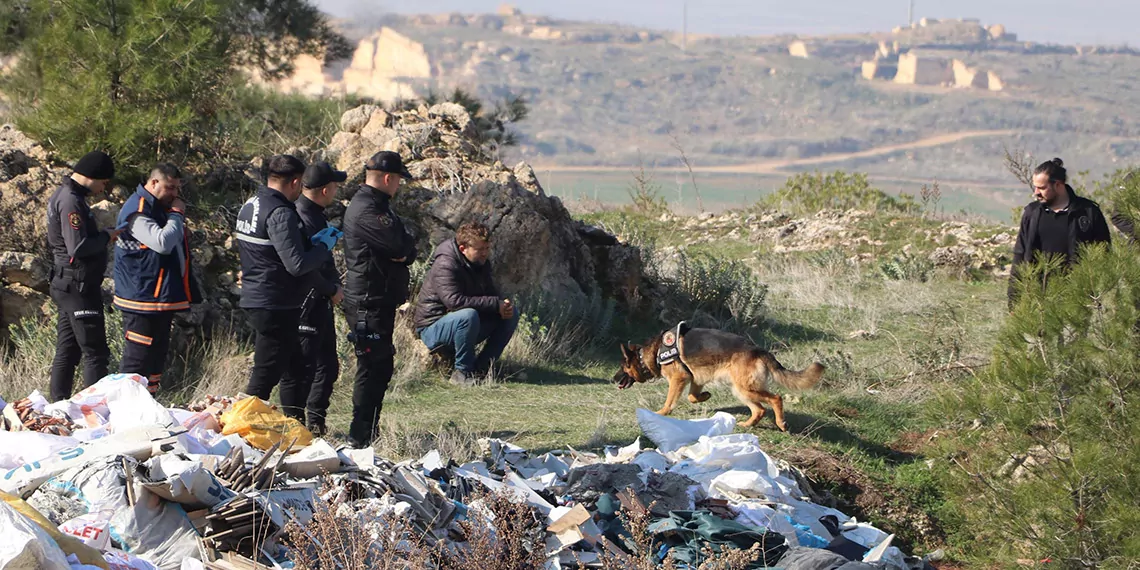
(464, 378)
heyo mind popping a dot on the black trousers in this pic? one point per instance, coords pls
(275, 348)
(147, 342)
(80, 332)
(308, 385)
(374, 366)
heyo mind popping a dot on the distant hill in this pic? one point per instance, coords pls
(601, 94)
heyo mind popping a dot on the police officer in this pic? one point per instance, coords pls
(152, 271)
(319, 366)
(377, 254)
(79, 259)
(276, 259)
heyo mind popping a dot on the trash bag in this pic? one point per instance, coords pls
(262, 426)
(93, 529)
(24, 545)
(119, 560)
(94, 487)
(20, 447)
(670, 433)
(157, 530)
(118, 400)
(67, 544)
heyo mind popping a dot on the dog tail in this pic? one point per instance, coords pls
(791, 379)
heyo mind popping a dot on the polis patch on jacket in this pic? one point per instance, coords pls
(74, 220)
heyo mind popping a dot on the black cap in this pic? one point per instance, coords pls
(321, 174)
(96, 165)
(286, 166)
(388, 161)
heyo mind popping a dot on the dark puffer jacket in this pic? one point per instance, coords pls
(453, 283)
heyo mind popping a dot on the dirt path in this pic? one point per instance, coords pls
(777, 166)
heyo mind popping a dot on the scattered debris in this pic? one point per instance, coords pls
(226, 483)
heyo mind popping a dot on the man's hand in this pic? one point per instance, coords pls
(338, 296)
(506, 309)
(327, 237)
(114, 234)
(179, 205)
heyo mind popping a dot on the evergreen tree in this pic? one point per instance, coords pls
(149, 79)
(1057, 457)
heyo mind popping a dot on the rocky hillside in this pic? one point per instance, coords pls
(539, 248)
(603, 93)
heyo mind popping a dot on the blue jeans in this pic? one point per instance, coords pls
(465, 329)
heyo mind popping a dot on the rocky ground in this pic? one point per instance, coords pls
(540, 246)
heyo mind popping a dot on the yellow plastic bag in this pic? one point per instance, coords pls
(262, 426)
(68, 544)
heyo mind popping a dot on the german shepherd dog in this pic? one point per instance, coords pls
(707, 356)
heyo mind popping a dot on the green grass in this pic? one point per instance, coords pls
(863, 434)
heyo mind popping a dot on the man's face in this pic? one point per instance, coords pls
(99, 186)
(1047, 191)
(164, 190)
(325, 195)
(477, 253)
(392, 183)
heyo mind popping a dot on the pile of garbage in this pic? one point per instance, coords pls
(112, 479)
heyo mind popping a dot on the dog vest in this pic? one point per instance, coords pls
(670, 349)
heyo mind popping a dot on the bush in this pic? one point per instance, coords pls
(703, 286)
(906, 268)
(811, 192)
(1057, 459)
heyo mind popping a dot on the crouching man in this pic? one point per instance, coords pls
(459, 305)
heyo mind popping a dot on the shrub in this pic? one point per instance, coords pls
(807, 193)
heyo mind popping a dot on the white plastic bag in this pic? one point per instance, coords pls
(25, 546)
(670, 433)
(20, 447)
(94, 529)
(119, 560)
(120, 401)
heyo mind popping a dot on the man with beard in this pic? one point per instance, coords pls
(152, 271)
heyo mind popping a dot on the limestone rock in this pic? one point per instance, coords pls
(25, 269)
(19, 302)
(353, 120)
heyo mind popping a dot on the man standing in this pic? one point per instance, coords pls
(1056, 224)
(152, 271)
(377, 254)
(459, 305)
(276, 259)
(79, 259)
(319, 366)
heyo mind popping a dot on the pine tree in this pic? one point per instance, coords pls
(149, 79)
(1057, 458)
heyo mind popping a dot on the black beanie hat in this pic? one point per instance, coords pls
(96, 165)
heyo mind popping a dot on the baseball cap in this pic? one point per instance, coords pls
(321, 174)
(388, 161)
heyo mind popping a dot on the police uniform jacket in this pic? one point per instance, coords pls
(325, 280)
(373, 237)
(276, 258)
(78, 247)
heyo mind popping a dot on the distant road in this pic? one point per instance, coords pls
(778, 166)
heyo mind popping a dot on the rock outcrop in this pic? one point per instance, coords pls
(538, 248)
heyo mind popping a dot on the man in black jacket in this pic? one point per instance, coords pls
(377, 253)
(459, 305)
(1058, 223)
(79, 259)
(319, 366)
(276, 259)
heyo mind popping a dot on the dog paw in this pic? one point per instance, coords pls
(698, 398)
(783, 426)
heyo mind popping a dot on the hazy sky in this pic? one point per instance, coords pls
(1055, 21)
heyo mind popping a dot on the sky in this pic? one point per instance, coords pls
(1049, 21)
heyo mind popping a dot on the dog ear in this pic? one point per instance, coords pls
(624, 350)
